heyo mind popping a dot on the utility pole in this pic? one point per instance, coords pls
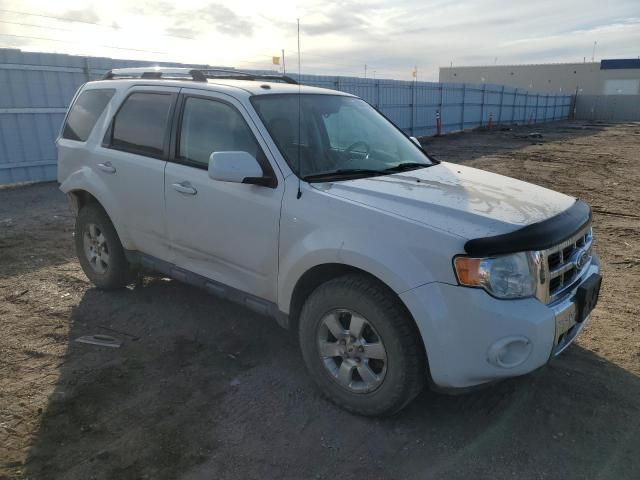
(365, 70)
(284, 68)
(593, 53)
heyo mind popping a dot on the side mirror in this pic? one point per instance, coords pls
(237, 167)
(416, 141)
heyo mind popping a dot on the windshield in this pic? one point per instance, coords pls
(338, 136)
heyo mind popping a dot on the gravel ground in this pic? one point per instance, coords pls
(202, 389)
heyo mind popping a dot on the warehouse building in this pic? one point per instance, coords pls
(608, 77)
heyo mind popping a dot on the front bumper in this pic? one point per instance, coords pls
(473, 338)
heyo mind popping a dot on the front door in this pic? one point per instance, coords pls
(225, 231)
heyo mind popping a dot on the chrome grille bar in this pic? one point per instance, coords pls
(564, 265)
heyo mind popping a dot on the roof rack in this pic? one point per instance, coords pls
(240, 75)
(155, 73)
(197, 75)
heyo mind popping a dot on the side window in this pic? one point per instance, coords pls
(85, 113)
(210, 126)
(140, 126)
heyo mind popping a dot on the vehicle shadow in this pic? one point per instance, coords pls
(201, 388)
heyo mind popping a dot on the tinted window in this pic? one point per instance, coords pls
(209, 126)
(140, 125)
(84, 114)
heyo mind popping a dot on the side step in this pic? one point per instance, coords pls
(220, 290)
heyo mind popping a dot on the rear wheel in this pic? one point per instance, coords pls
(99, 249)
(361, 347)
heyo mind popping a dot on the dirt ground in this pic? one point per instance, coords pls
(204, 389)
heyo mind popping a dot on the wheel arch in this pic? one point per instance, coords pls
(79, 198)
(322, 273)
(83, 187)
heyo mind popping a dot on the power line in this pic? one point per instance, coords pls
(264, 64)
(334, 64)
(34, 25)
(75, 42)
(63, 19)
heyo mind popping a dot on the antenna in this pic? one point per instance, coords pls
(284, 66)
(299, 113)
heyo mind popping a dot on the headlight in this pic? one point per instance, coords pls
(504, 276)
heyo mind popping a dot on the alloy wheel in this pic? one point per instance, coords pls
(352, 351)
(95, 248)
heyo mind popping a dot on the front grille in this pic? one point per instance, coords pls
(567, 262)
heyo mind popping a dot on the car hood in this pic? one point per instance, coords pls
(461, 200)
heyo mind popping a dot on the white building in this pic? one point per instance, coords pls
(608, 77)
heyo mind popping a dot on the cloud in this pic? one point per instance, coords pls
(339, 38)
(87, 14)
(334, 24)
(345, 17)
(351, 19)
(430, 34)
(189, 22)
(225, 19)
(182, 32)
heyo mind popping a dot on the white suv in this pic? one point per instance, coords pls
(308, 205)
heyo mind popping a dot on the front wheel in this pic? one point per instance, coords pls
(361, 347)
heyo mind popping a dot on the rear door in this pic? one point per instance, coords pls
(132, 160)
(224, 231)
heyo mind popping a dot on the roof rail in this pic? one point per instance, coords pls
(240, 75)
(197, 75)
(155, 73)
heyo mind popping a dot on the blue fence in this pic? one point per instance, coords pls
(36, 88)
(414, 106)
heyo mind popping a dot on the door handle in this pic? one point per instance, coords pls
(107, 167)
(185, 188)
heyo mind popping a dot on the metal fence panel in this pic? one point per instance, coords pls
(608, 108)
(452, 107)
(36, 88)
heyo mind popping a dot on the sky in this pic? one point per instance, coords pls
(337, 38)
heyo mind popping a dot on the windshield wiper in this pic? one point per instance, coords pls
(348, 172)
(403, 167)
(343, 172)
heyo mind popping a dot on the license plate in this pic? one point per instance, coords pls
(587, 296)
(565, 321)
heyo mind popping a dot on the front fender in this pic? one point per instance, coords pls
(319, 229)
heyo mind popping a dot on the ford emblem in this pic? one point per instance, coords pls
(581, 260)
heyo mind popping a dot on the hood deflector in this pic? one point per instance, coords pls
(537, 236)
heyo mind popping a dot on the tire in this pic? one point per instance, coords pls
(398, 364)
(99, 249)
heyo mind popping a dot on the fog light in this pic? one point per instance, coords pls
(509, 352)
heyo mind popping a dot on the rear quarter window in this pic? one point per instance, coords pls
(85, 113)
